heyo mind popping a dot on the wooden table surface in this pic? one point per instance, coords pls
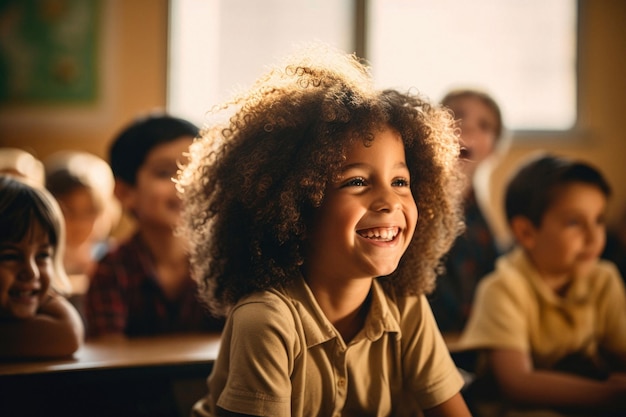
(118, 353)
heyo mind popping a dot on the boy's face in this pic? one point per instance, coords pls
(26, 268)
(153, 199)
(367, 218)
(572, 232)
(80, 212)
(478, 130)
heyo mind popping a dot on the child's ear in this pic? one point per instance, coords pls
(524, 231)
(125, 193)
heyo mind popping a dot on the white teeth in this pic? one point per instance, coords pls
(383, 234)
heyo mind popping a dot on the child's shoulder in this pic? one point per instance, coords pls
(270, 314)
(512, 277)
(266, 306)
(606, 276)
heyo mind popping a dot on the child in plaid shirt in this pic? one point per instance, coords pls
(144, 286)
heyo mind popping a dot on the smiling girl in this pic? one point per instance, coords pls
(35, 320)
(303, 216)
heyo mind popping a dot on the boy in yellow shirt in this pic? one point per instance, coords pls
(550, 321)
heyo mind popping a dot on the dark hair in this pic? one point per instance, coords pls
(532, 189)
(251, 187)
(21, 206)
(132, 145)
(481, 95)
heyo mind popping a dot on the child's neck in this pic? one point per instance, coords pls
(346, 305)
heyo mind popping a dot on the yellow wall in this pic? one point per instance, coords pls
(133, 67)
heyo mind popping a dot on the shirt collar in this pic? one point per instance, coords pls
(318, 329)
(577, 292)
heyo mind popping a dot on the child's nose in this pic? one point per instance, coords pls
(386, 200)
(29, 270)
(595, 233)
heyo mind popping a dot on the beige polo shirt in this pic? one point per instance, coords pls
(280, 356)
(515, 309)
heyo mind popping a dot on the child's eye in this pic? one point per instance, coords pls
(165, 173)
(44, 255)
(401, 182)
(572, 222)
(8, 256)
(485, 126)
(355, 182)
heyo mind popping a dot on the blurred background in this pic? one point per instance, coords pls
(75, 72)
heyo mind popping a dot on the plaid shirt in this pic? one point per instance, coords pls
(471, 257)
(124, 296)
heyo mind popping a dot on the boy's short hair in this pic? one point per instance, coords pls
(531, 190)
(132, 145)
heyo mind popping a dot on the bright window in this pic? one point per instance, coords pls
(523, 52)
(218, 46)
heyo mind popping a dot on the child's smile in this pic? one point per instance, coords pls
(367, 218)
(25, 272)
(380, 234)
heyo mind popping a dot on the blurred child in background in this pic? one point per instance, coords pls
(35, 319)
(550, 321)
(83, 184)
(144, 286)
(474, 253)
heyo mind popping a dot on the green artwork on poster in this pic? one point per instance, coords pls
(48, 51)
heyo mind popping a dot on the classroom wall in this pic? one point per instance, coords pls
(133, 60)
(132, 67)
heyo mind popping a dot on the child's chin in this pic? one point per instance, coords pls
(585, 266)
(24, 312)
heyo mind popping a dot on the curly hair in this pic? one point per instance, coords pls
(252, 184)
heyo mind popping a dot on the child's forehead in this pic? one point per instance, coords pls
(572, 193)
(574, 189)
(36, 233)
(169, 151)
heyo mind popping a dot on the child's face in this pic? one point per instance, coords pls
(367, 218)
(80, 213)
(154, 199)
(478, 130)
(572, 232)
(26, 268)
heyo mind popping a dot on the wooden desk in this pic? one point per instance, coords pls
(153, 376)
(126, 354)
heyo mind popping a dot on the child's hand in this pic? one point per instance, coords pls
(55, 331)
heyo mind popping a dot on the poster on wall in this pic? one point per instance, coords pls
(48, 51)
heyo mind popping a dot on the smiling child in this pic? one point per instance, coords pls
(318, 214)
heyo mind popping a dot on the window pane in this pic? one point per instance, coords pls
(523, 52)
(217, 46)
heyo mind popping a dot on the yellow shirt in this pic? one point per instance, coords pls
(280, 356)
(515, 309)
